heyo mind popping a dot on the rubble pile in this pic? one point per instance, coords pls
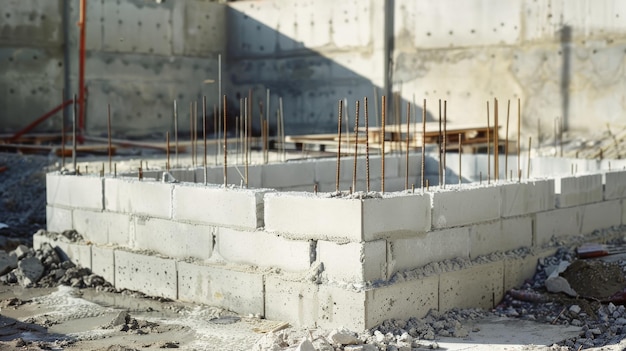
(45, 268)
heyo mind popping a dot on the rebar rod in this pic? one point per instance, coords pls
(74, 135)
(423, 144)
(488, 148)
(356, 144)
(506, 139)
(382, 138)
(225, 147)
(205, 162)
(367, 146)
(109, 133)
(176, 130)
(408, 132)
(338, 170)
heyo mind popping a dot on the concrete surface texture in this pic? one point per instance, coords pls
(325, 259)
(561, 59)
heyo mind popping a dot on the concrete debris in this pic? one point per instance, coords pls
(305, 345)
(557, 284)
(7, 262)
(20, 252)
(28, 272)
(343, 337)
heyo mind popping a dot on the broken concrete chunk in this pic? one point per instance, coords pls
(7, 262)
(343, 337)
(29, 270)
(559, 284)
(20, 251)
(305, 345)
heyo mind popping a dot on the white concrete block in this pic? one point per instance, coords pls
(103, 262)
(557, 223)
(501, 236)
(58, 219)
(525, 198)
(600, 215)
(282, 175)
(74, 191)
(259, 248)
(614, 185)
(574, 191)
(453, 207)
(149, 274)
(296, 302)
(173, 239)
(478, 286)
(517, 270)
(422, 249)
(402, 300)
(235, 175)
(237, 208)
(396, 215)
(339, 307)
(138, 197)
(237, 290)
(102, 227)
(309, 216)
(353, 262)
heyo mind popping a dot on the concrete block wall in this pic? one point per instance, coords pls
(325, 259)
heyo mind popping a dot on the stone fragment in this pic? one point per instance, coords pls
(29, 270)
(305, 345)
(7, 262)
(343, 337)
(20, 251)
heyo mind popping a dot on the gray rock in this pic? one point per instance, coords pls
(305, 345)
(575, 309)
(343, 337)
(559, 284)
(7, 262)
(20, 252)
(29, 270)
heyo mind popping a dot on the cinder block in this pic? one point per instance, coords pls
(58, 219)
(500, 236)
(435, 246)
(235, 175)
(396, 215)
(353, 262)
(282, 175)
(600, 215)
(149, 274)
(296, 302)
(580, 190)
(556, 223)
(614, 185)
(263, 249)
(308, 216)
(401, 300)
(138, 197)
(517, 270)
(478, 286)
(526, 198)
(74, 191)
(339, 307)
(237, 208)
(103, 262)
(452, 208)
(173, 239)
(236, 290)
(102, 227)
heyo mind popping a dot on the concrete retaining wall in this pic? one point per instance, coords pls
(324, 259)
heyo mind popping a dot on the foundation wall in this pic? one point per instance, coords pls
(325, 259)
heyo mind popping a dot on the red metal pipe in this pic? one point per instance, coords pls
(38, 121)
(81, 69)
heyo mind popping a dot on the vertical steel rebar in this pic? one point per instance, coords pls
(530, 141)
(216, 117)
(423, 144)
(225, 147)
(506, 138)
(191, 129)
(338, 146)
(282, 128)
(367, 146)
(496, 141)
(488, 148)
(176, 131)
(519, 124)
(219, 104)
(167, 151)
(74, 135)
(408, 132)
(382, 138)
(205, 163)
(445, 133)
(460, 154)
(63, 118)
(439, 147)
(246, 139)
(356, 143)
(109, 133)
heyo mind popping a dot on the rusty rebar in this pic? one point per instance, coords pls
(63, 118)
(191, 129)
(338, 170)
(423, 145)
(439, 146)
(530, 140)
(460, 154)
(167, 152)
(408, 132)
(195, 128)
(176, 131)
(205, 163)
(445, 132)
(216, 117)
(225, 146)
(140, 173)
(382, 138)
(109, 133)
(367, 146)
(356, 143)
(115, 170)
(506, 139)
(488, 148)
(246, 140)
(74, 135)
(496, 141)
(519, 125)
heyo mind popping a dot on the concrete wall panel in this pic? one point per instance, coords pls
(353, 262)
(453, 208)
(396, 216)
(614, 185)
(151, 275)
(138, 197)
(526, 198)
(103, 262)
(173, 239)
(74, 191)
(574, 191)
(557, 223)
(58, 219)
(102, 227)
(476, 286)
(296, 302)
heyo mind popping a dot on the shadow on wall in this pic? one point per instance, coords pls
(309, 82)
